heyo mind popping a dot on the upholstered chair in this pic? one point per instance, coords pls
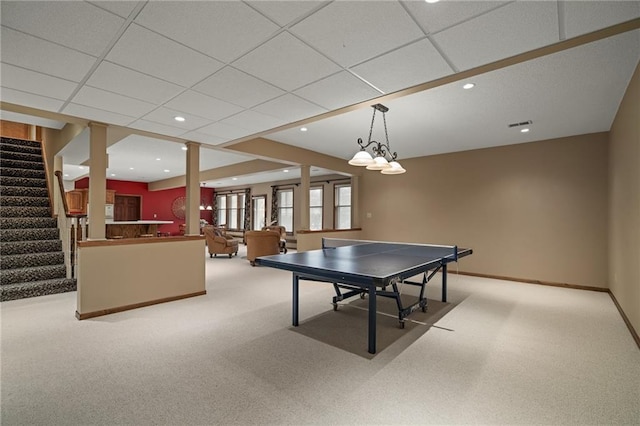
(261, 243)
(283, 235)
(218, 242)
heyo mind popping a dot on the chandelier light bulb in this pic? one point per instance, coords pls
(379, 163)
(361, 158)
(394, 169)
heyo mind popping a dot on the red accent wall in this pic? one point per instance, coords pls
(156, 205)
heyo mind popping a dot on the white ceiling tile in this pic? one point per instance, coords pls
(87, 112)
(202, 105)
(221, 29)
(223, 131)
(44, 56)
(252, 121)
(285, 12)
(151, 126)
(583, 17)
(147, 52)
(434, 17)
(34, 82)
(290, 108)
(121, 7)
(124, 81)
(350, 32)
(286, 62)
(29, 99)
(237, 87)
(512, 29)
(108, 101)
(337, 91)
(75, 24)
(167, 116)
(414, 64)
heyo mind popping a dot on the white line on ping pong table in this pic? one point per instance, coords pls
(393, 316)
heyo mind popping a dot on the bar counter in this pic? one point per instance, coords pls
(133, 228)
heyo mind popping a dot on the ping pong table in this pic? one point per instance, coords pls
(368, 268)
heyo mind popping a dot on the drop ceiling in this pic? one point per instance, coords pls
(239, 69)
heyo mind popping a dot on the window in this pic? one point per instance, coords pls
(221, 201)
(315, 208)
(259, 216)
(231, 210)
(343, 206)
(285, 208)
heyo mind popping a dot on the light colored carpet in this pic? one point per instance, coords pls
(498, 353)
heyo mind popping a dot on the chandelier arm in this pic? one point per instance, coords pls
(386, 134)
(373, 118)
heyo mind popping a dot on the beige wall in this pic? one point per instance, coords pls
(624, 203)
(529, 211)
(113, 275)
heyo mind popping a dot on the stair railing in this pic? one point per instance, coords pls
(75, 227)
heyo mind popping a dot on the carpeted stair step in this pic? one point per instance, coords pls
(24, 201)
(36, 288)
(24, 191)
(17, 261)
(20, 164)
(23, 247)
(35, 273)
(24, 173)
(27, 222)
(22, 181)
(17, 211)
(24, 143)
(21, 156)
(35, 234)
(14, 147)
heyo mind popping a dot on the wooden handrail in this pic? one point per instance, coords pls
(58, 174)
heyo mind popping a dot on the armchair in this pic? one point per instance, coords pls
(283, 235)
(219, 243)
(261, 243)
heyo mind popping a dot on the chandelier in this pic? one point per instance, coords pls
(382, 151)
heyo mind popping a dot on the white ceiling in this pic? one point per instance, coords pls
(239, 68)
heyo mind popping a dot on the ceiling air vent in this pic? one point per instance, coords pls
(522, 123)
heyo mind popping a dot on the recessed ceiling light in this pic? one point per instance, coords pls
(66, 175)
(130, 168)
(525, 130)
(157, 159)
(113, 174)
(184, 148)
(167, 170)
(234, 178)
(303, 129)
(469, 86)
(178, 118)
(285, 171)
(81, 167)
(432, 1)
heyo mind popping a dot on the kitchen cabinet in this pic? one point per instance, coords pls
(77, 199)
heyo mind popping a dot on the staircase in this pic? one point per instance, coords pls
(31, 257)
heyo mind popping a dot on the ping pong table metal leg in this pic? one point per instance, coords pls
(296, 281)
(444, 282)
(372, 319)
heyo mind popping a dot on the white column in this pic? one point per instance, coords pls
(305, 185)
(97, 180)
(192, 212)
(355, 204)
